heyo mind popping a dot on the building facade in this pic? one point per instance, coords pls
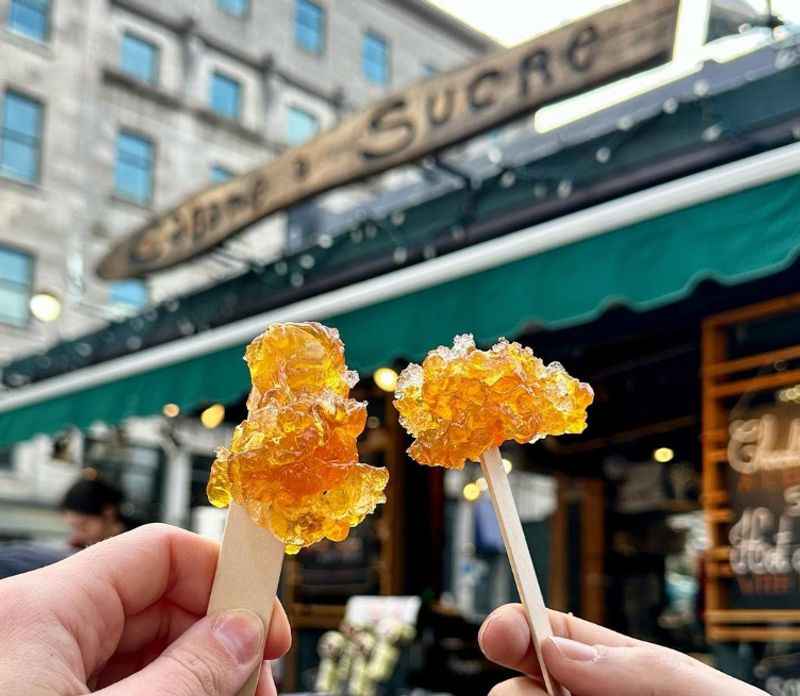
(114, 110)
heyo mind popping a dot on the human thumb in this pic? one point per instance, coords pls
(214, 657)
(598, 670)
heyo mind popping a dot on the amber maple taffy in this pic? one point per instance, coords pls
(462, 404)
(291, 475)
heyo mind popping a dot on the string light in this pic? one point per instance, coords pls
(171, 410)
(385, 378)
(507, 465)
(45, 306)
(482, 484)
(472, 492)
(213, 416)
(663, 455)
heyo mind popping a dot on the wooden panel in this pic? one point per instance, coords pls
(779, 379)
(752, 362)
(719, 516)
(754, 635)
(744, 616)
(760, 310)
(427, 117)
(593, 551)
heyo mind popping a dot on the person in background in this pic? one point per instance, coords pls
(92, 510)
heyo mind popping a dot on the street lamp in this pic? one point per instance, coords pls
(45, 306)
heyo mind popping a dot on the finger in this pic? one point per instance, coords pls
(147, 634)
(505, 637)
(599, 670)
(213, 658)
(161, 622)
(519, 686)
(266, 684)
(279, 639)
(149, 563)
(123, 576)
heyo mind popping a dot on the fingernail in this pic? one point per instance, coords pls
(489, 619)
(572, 650)
(241, 633)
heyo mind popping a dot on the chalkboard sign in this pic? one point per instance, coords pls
(780, 675)
(764, 487)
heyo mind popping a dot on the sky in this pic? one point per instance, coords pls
(512, 21)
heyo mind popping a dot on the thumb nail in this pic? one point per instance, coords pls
(241, 633)
(572, 650)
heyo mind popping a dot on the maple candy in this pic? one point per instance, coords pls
(461, 401)
(293, 463)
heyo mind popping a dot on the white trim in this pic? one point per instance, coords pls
(599, 219)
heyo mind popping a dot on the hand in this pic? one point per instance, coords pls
(126, 617)
(592, 661)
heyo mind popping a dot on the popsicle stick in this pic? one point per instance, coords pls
(248, 570)
(521, 562)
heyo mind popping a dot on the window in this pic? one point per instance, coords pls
(16, 279)
(300, 126)
(30, 18)
(133, 177)
(132, 294)
(226, 96)
(20, 137)
(309, 26)
(139, 58)
(6, 459)
(237, 8)
(219, 174)
(375, 59)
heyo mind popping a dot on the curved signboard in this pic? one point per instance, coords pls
(406, 126)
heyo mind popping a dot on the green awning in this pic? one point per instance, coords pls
(733, 239)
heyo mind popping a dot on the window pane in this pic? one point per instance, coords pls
(234, 7)
(301, 126)
(19, 160)
(30, 17)
(135, 147)
(22, 115)
(220, 175)
(132, 293)
(133, 176)
(15, 267)
(375, 59)
(139, 58)
(225, 96)
(309, 26)
(16, 278)
(14, 304)
(20, 137)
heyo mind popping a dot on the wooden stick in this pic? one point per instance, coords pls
(521, 562)
(248, 570)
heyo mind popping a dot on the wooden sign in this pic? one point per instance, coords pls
(406, 126)
(764, 489)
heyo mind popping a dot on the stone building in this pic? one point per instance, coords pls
(114, 110)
